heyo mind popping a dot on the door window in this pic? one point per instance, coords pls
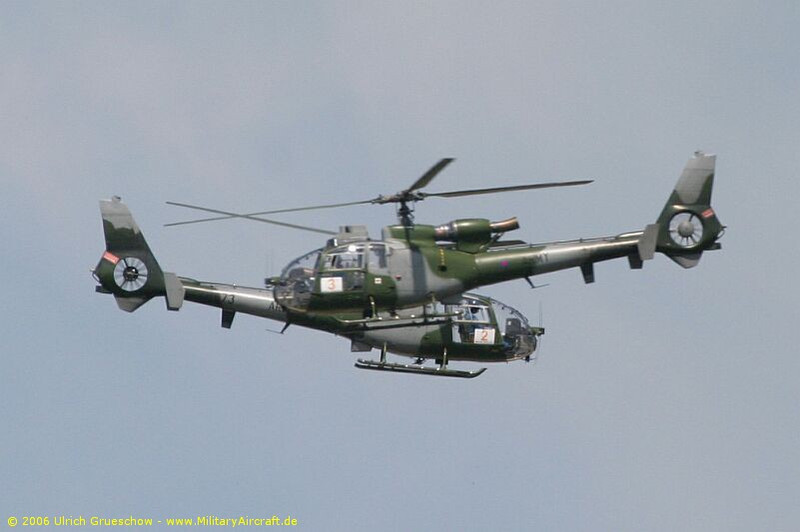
(377, 257)
(350, 257)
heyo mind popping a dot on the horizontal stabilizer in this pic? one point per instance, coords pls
(647, 244)
(174, 291)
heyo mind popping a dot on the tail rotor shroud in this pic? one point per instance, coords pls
(686, 229)
(130, 274)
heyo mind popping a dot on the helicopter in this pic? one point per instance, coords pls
(410, 293)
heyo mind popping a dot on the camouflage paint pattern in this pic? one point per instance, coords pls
(388, 306)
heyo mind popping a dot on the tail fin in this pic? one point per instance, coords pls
(688, 225)
(128, 268)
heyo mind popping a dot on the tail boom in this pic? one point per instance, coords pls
(686, 227)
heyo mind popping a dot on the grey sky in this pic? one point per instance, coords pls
(664, 399)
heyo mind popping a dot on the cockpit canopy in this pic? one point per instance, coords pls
(297, 281)
(350, 261)
(479, 317)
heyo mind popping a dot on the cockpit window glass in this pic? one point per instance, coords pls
(377, 256)
(470, 312)
(345, 258)
(305, 264)
(510, 320)
(297, 281)
(472, 323)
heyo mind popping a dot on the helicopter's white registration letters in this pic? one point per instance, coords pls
(330, 284)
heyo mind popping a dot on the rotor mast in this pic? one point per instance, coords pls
(405, 214)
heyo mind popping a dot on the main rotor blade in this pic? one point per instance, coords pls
(251, 217)
(217, 218)
(474, 192)
(428, 176)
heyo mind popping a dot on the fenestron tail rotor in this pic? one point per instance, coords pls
(405, 198)
(130, 274)
(686, 229)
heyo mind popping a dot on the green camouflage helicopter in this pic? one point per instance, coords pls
(410, 292)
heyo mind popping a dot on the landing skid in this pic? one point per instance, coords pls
(438, 371)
